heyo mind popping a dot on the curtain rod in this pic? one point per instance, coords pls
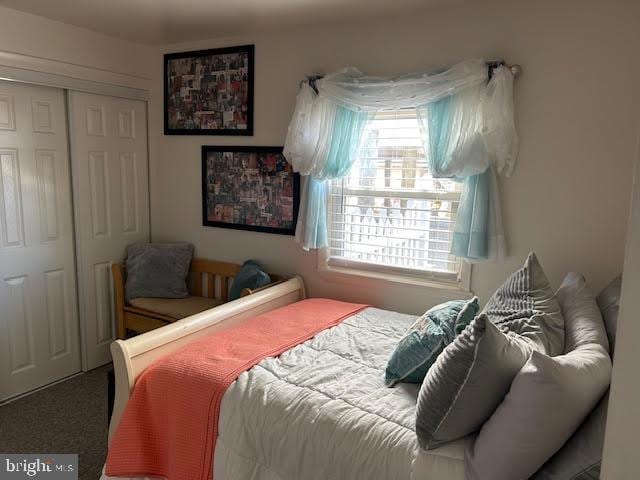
(515, 68)
(491, 66)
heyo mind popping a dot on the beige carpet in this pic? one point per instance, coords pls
(70, 417)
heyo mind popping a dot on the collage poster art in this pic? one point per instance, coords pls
(249, 188)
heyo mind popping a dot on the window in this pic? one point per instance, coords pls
(390, 214)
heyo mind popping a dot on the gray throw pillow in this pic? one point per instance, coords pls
(158, 270)
(467, 382)
(581, 456)
(526, 305)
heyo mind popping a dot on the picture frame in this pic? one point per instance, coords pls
(209, 92)
(249, 188)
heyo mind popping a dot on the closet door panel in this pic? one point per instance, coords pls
(111, 188)
(39, 328)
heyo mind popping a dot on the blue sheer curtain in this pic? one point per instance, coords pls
(348, 126)
(455, 150)
(470, 234)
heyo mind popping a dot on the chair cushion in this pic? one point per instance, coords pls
(158, 270)
(426, 338)
(176, 307)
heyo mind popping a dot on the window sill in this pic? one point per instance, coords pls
(458, 288)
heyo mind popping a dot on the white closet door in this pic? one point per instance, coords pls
(39, 337)
(111, 196)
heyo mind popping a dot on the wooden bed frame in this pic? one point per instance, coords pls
(131, 357)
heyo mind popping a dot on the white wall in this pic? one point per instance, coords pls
(576, 114)
(620, 460)
(36, 36)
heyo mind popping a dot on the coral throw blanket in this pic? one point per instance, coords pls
(170, 425)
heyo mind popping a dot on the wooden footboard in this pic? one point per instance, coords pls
(131, 357)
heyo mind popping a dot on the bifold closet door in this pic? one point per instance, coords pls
(111, 197)
(39, 335)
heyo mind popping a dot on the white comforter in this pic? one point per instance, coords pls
(321, 411)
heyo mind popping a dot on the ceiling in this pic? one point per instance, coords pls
(172, 21)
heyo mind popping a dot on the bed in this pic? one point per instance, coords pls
(318, 411)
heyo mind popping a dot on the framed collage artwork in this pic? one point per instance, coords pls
(209, 92)
(249, 188)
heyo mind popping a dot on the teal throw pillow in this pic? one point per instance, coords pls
(250, 276)
(426, 338)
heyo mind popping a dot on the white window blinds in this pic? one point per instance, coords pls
(389, 213)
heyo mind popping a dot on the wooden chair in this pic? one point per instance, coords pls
(208, 284)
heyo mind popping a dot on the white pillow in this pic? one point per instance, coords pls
(581, 456)
(548, 400)
(583, 319)
(549, 397)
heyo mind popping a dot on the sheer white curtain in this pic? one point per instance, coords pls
(467, 126)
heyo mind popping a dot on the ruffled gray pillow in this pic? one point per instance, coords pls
(527, 306)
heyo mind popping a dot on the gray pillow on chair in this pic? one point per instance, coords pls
(158, 270)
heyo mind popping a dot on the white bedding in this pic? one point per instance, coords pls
(321, 411)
